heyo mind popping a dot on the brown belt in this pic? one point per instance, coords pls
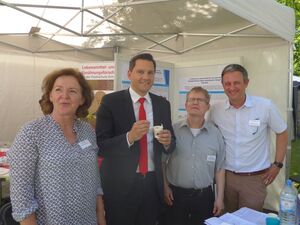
(249, 173)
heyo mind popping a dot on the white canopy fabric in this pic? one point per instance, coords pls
(268, 14)
(95, 30)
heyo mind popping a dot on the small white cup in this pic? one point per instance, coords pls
(157, 129)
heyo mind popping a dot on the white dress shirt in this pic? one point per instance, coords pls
(247, 132)
(149, 115)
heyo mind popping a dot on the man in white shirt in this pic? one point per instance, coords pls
(245, 122)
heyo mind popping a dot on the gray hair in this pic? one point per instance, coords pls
(233, 68)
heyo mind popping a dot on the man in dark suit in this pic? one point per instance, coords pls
(131, 169)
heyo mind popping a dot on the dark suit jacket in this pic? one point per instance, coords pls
(115, 118)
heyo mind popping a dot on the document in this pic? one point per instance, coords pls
(252, 215)
(229, 219)
(243, 216)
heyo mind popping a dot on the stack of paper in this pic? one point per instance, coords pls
(243, 216)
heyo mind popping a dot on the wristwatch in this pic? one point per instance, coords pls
(278, 164)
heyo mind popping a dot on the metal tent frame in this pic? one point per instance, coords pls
(165, 40)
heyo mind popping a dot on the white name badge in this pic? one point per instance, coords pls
(211, 158)
(254, 123)
(84, 144)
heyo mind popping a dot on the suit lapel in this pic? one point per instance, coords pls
(128, 107)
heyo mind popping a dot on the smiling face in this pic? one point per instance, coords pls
(235, 88)
(66, 96)
(197, 104)
(142, 76)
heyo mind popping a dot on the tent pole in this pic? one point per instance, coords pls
(290, 110)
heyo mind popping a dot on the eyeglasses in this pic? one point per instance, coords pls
(197, 100)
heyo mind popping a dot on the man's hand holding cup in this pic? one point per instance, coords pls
(162, 135)
(138, 130)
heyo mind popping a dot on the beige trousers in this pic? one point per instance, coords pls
(244, 191)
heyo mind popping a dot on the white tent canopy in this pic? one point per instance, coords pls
(98, 29)
(269, 14)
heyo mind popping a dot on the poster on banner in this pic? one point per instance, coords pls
(99, 75)
(211, 83)
(206, 74)
(160, 85)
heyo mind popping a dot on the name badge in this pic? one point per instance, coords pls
(211, 158)
(84, 144)
(254, 123)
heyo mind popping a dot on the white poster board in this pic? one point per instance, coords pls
(162, 78)
(100, 75)
(207, 76)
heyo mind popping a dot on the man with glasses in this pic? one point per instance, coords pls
(197, 160)
(245, 122)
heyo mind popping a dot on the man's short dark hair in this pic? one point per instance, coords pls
(233, 68)
(144, 56)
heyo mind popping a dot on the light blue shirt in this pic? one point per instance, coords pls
(196, 158)
(247, 132)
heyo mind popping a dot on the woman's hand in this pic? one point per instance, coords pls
(100, 211)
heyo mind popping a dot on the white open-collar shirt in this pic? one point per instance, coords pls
(149, 115)
(246, 132)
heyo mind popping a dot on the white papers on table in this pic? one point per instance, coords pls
(252, 215)
(243, 216)
(229, 219)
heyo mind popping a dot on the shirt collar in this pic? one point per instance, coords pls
(184, 123)
(248, 102)
(135, 96)
(75, 127)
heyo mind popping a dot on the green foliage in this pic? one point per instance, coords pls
(295, 4)
(295, 158)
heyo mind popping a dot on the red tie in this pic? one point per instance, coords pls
(143, 162)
